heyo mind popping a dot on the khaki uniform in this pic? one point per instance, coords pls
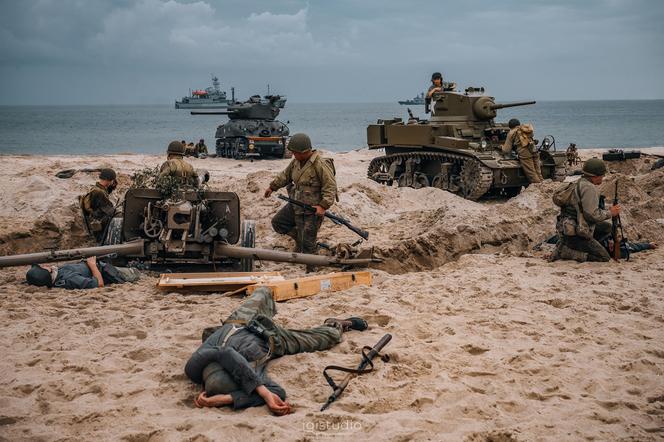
(200, 149)
(98, 210)
(584, 249)
(179, 168)
(312, 183)
(520, 138)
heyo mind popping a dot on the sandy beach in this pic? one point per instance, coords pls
(490, 341)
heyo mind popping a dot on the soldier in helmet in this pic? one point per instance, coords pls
(520, 139)
(310, 179)
(585, 244)
(176, 166)
(97, 206)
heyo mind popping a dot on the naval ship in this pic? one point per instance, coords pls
(209, 98)
(418, 99)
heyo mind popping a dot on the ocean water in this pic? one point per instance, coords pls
(333, 126)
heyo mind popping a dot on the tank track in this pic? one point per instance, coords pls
(476, 178)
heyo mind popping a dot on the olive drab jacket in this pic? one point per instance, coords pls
(97, 207)
(588, 195)
(179, 168)
(521, 139)
(312, 183)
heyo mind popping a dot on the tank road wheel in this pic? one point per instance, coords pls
(379, 171)
(248, 239)
(420, 180)
(475, 180)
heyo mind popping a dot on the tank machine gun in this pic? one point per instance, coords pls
(197, 227)
(252, 130)
(457, 149)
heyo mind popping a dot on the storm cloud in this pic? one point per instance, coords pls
(152, 51)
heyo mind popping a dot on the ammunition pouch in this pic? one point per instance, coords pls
(263, 327)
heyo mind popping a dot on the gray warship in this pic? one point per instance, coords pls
(418, 99)
(208, 98)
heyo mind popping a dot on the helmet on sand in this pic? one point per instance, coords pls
(299, 143)
(594, 167)
(513, 123)
(175, 148)
(39, 276)
(107, 174)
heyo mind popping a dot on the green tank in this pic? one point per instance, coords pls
(458, 149)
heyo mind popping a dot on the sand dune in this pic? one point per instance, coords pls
(491, 342)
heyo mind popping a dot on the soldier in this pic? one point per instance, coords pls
(201, 149)
(176, 166)
(88, 274)
(436, 86)
(585, 244)
(309, 179)
(520, 138)
(231, 363)
(97, 207)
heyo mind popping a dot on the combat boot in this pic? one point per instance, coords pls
(571, 254)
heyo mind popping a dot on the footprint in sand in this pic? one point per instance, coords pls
(141, 355)
(474, 349)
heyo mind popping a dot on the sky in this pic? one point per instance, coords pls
(57, 52)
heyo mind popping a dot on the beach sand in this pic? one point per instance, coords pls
(490, 341)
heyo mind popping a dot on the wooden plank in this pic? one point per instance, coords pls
(215, 281)
(311, 285)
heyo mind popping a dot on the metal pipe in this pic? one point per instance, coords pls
(134, 248)
(292, 257)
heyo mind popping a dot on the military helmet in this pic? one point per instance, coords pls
(299, 143)
(175, 148)
(513, 123)
(436, 76)
(594, 167)
(107, 174)
(39, 276)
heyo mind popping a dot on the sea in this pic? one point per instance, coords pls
(339, 127)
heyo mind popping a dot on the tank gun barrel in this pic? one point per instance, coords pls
(514, 104)
(134, 248)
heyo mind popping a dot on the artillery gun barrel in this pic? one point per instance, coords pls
(292, 257)
(134, 248)
(516, 103)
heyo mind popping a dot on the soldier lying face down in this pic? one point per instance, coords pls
(231, 363)
(86, 274)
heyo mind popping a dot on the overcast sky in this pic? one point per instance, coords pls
(153, 51)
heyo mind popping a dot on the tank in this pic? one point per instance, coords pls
(457, 149)
(252, 130)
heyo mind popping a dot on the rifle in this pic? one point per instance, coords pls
(352, 372)
(336, 219)
(616, 225)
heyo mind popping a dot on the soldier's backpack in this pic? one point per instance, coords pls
(563, 195)
(330, 163)
(524, 137)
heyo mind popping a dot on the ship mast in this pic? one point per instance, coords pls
(215, 83)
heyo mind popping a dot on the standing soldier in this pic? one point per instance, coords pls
(310, 180)
(97, 206)
(520, 138)
(177, 167)
(583, 243)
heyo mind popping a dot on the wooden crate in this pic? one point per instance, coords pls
(311, 285)
(215, 281)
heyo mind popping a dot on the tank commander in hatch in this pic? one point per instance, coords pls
(520, 139)
(97, 206)
(177, 167)
(436, 86)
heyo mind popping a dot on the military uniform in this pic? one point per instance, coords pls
(179, 168)
(312, 183)
(573, 246)
(233, 359)
(521, 138)
(98, 210)
(201, 149)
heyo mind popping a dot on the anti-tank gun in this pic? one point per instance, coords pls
(196, 227)
(458, 149)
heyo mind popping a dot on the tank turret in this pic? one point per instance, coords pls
(458, 149)
(253, 130)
